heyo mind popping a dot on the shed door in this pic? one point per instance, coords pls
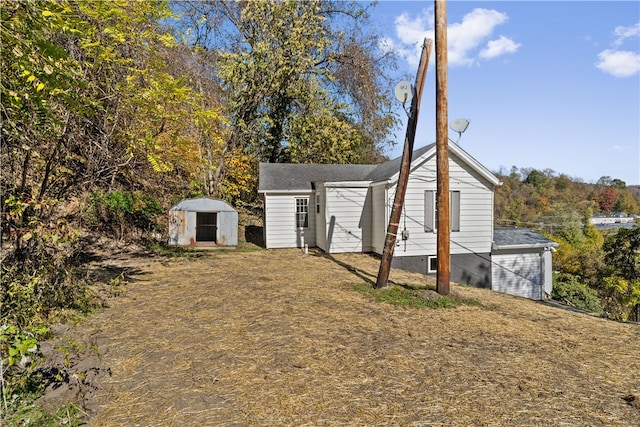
(517, 274)
(206, 226)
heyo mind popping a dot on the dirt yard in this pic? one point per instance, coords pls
(277, 338)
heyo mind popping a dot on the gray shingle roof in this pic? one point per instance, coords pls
(388, 169)
(287, 176)
(504, 238)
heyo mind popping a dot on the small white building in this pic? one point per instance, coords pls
(346, 208)
(619, 220)
(521, 263)
(203, 223)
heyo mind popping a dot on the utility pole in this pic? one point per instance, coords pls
(443, 274)
(405, 166)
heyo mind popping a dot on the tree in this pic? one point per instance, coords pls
(620, 279)
(301, 81)
(626, 202)
(622, 253)
(536, 178)
(607, 200)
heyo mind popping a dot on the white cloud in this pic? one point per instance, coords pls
(619, 63)
(411, 32)
(466, 36)
(624, 33)
(463, 38)
(499, 47)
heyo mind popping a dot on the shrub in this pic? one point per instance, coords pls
(123, 212)
(620, 297)
(568, 289)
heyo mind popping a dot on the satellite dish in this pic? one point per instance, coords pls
(403, 91)
(460, 125)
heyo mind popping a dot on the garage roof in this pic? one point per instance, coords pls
(519, 238)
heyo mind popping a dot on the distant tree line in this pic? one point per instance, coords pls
(554, 201)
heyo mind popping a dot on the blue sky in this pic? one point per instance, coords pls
(546, 85)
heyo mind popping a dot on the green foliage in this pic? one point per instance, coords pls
(580, 251)
(619, 296)
(122, 212)
(20, 353)
(568, 289)
(26, 413)
(413, 297)
(536, 178)
(619, 283)
(622, 252)
(38, 277)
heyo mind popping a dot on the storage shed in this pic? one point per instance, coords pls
(521, 263)
(206, 223)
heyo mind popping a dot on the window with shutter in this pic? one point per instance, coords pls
(431, 211)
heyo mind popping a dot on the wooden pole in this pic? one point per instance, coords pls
(405, 166)
(442, 151)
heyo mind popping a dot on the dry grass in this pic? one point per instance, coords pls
(281, 338)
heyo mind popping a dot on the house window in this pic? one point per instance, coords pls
(302, 213)
(432, 264)
(317, 203)
(431, 211)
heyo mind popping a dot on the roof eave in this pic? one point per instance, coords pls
(525, 246)
(359, 184)
(298, 191)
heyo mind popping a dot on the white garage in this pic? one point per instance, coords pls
(521, 263)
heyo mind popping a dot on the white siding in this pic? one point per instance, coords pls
(517, 273)
(280, 221)
(348, 219)
(476, 211)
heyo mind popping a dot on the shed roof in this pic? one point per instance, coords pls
(519, 238)
(289, 177)
(203, 204)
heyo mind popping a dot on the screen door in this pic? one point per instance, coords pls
(206, 226)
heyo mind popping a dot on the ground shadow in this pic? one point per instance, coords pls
(368, 278)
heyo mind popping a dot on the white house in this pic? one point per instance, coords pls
(346, 208)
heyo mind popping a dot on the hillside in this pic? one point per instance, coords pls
(282, 338)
